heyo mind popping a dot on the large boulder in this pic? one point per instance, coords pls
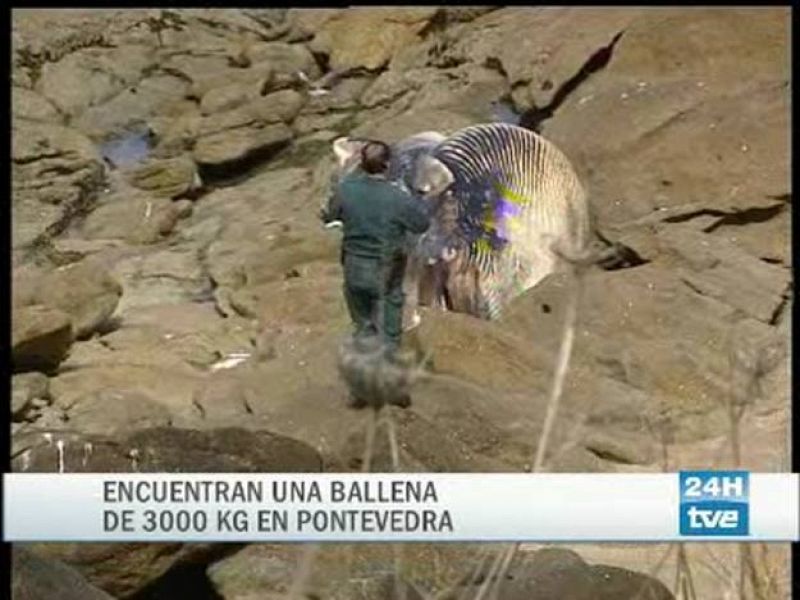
(29, 393)
(222, 153)
(169, 177)
(130, 215)
(91, 76)
(125, 569)
(40, 337)
(559, 573)
(27, 104)
(667, 104)
(56, 173)
(83, 290)
(381, 33)
(36, 577)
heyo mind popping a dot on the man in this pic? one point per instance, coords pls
(376, 215)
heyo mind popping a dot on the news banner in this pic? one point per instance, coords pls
(685, 506)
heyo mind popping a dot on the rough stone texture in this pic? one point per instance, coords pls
(83, 290)
(135, 217)
(55, 173)
(38, 578)
(559, 573)
(27, 104)
(40, 338)
(381, 34)
(169, 178)
(231, 312)
(221, 149)
(29, 392)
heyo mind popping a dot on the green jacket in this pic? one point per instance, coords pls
(376, 215)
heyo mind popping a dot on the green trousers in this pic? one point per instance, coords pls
(373, 289)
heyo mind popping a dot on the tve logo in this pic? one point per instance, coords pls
(714, 503)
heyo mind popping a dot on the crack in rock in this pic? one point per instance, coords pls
(532, 119)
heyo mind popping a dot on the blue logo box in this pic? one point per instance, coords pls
(714, 503)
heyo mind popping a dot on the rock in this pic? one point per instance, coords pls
(231, 96)
(377, 586)
(83, 290)
(716, 268)
(171, 387)
(220, 153)
(466, 89)
(38, 578)
(167, 450)
(560, 573)
(112, 412)
(143, 101)
(408, 122)
(381, 34)
(209, 75)
(56, 172)
(29, 392)
(40, 338)
(90, 76)
(284, 59)
(621, 447)
(306, 23)
(135, 217)
(171, 275)
(126, 569)
(171, 177)
(27, 104)
(235, 577)
(636, 105)
(270, 109)
(539, 63)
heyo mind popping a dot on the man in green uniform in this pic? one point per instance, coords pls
(376, 216)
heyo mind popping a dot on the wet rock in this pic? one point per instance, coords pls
(219, 153)
(84, 291)
(35, 577)
(29, 392)
(40, 338)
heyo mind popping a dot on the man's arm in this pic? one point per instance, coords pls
(332, 212)
(415, 215)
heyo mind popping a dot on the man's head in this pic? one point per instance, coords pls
(375, 157)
